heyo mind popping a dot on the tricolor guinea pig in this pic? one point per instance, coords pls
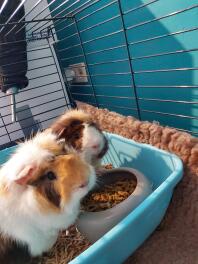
(84, 135)
(41, 187)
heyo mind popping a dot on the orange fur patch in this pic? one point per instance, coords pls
(66, 119)
(76, 114)
(73, 172)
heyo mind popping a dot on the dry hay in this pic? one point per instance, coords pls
(69, 245)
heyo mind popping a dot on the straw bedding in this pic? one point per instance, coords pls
(69, 245)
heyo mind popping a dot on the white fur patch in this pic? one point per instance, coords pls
(92, 137)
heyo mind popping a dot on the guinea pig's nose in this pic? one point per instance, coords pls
(95, 146)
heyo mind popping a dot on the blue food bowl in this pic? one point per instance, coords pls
(163, 169)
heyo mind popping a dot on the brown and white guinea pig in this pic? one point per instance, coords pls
(84, 135)
(40, 192)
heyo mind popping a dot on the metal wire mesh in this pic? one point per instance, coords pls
(108, 28)
(128, 68)
(46, 96)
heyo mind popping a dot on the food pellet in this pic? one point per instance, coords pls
(109, 195)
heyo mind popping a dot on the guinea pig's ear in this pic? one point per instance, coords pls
(69, 129)
(26, 174)
(61, 132)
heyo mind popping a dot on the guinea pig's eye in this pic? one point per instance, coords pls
(50, 175)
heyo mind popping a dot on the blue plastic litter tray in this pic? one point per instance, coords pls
(163, 169)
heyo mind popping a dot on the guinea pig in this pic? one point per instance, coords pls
(84, 135)
(38, 198)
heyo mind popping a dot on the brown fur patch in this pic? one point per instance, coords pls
(46, 189)
(71, 131)
(45, 204)
(73, 134)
